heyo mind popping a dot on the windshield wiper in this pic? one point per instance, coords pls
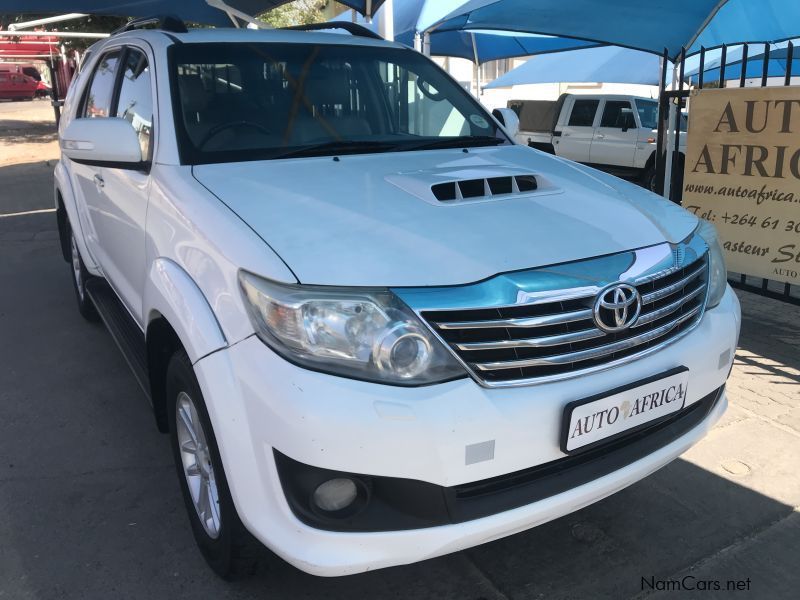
(334, 147)
(462, 141)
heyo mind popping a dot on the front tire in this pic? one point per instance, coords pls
(80, 276)
(230, 550)
(649, 178)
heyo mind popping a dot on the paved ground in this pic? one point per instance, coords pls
(90, 506)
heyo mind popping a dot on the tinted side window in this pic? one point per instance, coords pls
(583, 112)
(617, 113)
(136, 98)
(101, 89)
(648, 113)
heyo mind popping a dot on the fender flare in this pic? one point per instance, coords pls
(172, 294)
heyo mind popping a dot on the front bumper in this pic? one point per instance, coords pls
(259, 402)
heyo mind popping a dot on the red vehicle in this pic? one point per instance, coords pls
(42, 89)
(16, 83)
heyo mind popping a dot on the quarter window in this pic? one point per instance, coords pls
(101, 90)
(135, 103)
(583, 112)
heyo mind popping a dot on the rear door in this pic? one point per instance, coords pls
(616, 136)
(573, 138)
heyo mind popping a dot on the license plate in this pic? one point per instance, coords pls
(593, 420)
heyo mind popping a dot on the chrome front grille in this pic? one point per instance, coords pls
(556, 335)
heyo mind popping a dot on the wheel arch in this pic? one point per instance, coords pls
(178, 317)
(652, 159)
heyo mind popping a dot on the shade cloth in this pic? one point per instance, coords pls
(411, 16)
(608, 64)
(650, 26)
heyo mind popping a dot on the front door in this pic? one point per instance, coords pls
(617, 135)
(573, 140)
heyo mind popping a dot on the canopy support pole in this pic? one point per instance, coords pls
(54, 91)
(426, 43)
(660, 146)
(386, 21)
(673, 109)
(45, 21)
(58, 34)
(477, 66)
(234, 14)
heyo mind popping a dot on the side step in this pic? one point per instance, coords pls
(126, 333)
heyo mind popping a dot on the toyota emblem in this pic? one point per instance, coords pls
(617, 307)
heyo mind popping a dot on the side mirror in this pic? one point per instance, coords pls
(103, 142)
(508, 119)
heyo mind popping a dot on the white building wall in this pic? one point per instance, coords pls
(464, 72)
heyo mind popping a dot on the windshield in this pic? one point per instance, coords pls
(648, 114)
(238, 101)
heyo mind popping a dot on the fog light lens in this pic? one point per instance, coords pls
(335, 494)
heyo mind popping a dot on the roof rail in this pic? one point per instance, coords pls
(351, 28)
(169, 23)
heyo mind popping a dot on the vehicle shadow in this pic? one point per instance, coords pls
(26, 131)
(770, 339)
(26, 187)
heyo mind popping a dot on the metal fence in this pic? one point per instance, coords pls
(678, 96)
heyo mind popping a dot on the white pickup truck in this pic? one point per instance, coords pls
(615, 133)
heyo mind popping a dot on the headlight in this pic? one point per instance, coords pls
(354, 332)
(717, 274)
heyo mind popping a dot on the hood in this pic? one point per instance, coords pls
(372, 220)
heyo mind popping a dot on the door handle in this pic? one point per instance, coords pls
(600, 136)
(98, 181)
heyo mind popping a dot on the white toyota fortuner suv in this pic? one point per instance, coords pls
(376, 329)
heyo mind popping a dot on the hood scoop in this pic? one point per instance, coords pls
(484, 187)
(461, 185)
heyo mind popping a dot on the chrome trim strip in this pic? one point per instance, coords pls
(556, 319)
(561, 359)
(670, 308)
(674, 287)
(546, 297)
(540, 342)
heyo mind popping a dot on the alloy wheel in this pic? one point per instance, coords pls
(197, 466)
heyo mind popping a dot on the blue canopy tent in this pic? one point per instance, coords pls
(413, 17)
(650, 26)
(608, 64)
(198, 11)
(777, 63)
